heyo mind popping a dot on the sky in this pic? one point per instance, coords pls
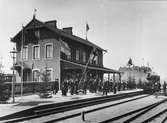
(134, 29)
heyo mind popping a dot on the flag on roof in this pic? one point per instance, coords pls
(87, 27)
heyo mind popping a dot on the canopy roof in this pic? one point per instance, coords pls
(68, 65)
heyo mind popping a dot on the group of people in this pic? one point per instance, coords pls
(94, 85)
(70, 84)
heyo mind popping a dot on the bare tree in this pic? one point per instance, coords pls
(4, 93)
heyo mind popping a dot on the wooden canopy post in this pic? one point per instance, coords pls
(114, 78)
(114, 84)
(120, 77)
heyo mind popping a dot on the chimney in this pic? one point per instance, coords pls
(52, 23)
(68, 30)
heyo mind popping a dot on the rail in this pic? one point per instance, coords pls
(65, 106)
(139, 111)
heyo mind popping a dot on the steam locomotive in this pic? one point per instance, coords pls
(153, 83)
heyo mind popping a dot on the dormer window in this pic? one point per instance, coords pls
(37, 34)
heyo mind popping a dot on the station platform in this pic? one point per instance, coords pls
(29, 101)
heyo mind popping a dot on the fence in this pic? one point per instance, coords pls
(32, 87)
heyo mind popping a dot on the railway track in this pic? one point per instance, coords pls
(136, 115)
(164, 120)
(45, 110)
(155, 116)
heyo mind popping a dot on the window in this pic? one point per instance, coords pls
(25, 52)
(37, 34)
(84, 56)
(91, 58)
(49, 74)
(96, 59)
(49, 51)
(36, 52)
(36, 75)
(69, 55)
(77, 55)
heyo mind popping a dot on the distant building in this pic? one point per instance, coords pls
(139, 73)
(58, 51)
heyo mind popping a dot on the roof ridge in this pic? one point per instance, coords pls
(61, 32)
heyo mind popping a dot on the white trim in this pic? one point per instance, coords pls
(51, 73)
(45, 51)
(33, 52)
(79, 51)
(36, 69)
(37, 34)
(26, 53)
(83, 53)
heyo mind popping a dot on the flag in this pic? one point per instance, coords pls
(87, 27)
(34, 15)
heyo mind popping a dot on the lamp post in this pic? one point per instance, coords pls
(13, 56)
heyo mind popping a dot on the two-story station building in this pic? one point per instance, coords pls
(58, 51)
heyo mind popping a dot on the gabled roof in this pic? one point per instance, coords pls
(37, 24)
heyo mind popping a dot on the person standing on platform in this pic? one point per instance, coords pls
(76, 85)
(119, 86)
(124, 85)
(85, 86)
(95, 84)
(56, 86)
(100, 84)
(91, 85)
(66, 82)
(159, 86)
(105, 88)
(71, 82)
(63, 87)
(111, 86)
(164, 88)
(114, 88)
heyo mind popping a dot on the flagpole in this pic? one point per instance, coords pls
(34, 15)
(86, 31)
(87, 28)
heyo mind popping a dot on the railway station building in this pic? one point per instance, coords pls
(43, 46)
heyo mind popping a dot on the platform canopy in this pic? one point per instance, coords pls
(68, 65)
